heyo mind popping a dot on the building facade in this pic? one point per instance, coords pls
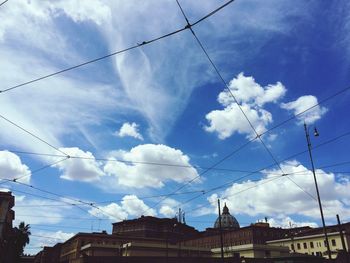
(312, 241)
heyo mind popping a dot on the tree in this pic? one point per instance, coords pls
(20, 239)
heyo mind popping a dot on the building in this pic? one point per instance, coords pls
(7, 215)
(156, 234)
(49, 254)
(247, 241)
(152, 227)
(164, 238)
(312, 241)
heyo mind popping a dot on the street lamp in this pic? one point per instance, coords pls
(316, 134)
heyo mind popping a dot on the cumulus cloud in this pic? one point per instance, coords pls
(287, 222)
(130, 206)
(169, 207)
(84, 168)
(259, 197)
(303, 103)
(139, 175)
(11, 167)
(252, 97)
(129, 129)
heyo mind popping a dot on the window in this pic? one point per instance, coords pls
(333, 242)
(298, 245)
(305, 245)
(312, 244)
(292, 247)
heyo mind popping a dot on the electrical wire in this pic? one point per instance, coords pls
(258, 136)
(117, 52)
(206, 191)
(33, 135)
(62, 217)
(56, 238)
(77, 205)
(3, 2)
(33, 172)
(269, 166)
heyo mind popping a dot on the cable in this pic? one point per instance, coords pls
(115, 53)
(57, 238)
(232, 95)
(32, 134)
(239, 192)
(269, 166)
(134, 162)
(3, 2)
(65, 197)
(63, 217)
(117, 200)
(93, 204)
(200, 174)
(52, 199)
(33, 172)
(59, 226)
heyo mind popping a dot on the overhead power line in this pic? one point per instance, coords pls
(61, 217)
(226, 184)
(55, 238)
(33, 135)
(202, 192)
(33, 172)
(143, 43)
(3, 2)
(77, 205)
(258, 136)
(213, 167)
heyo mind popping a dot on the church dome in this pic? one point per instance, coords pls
(227, 220)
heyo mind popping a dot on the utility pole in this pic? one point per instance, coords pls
(317, 191)
(341, 234)
(221, 238)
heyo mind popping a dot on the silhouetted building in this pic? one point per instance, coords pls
(7, 215)
(153, 227)
(49, 254)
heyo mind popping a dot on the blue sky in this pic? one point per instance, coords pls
(163, 103)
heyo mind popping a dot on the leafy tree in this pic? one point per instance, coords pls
(20, 239)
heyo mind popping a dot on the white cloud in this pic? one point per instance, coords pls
(272, 197)
(140, 175)
(303, 103)
(113, 211)
(129, 129)
(80, 169)
(136, 207)
(287, 222)
(45, 238)
(246, 90)
(169, 207)
(11, 167)
(95, 11)
(130, 206)
(252, 97)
